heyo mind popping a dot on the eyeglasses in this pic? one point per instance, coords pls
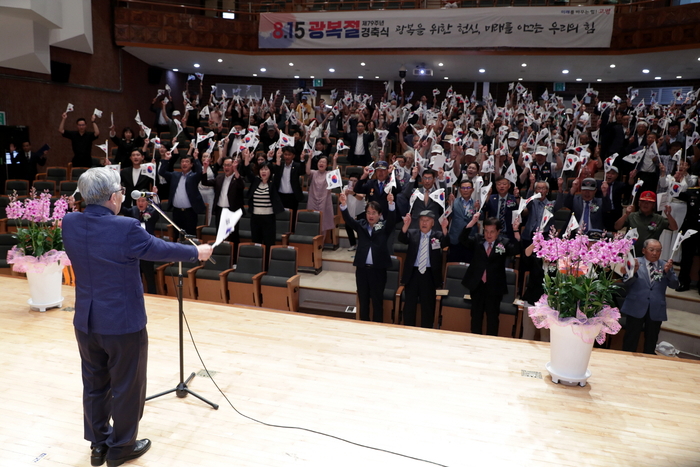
(122, 190)
(466, 188)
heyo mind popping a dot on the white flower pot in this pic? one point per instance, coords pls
(45, 287)
(569, 352)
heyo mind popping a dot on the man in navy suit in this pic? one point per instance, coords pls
(422, 271)
(110, 315)
(586, 207)
(147, 217)
(185, 199)
(501, 206)
(486, 276)
(372, 257)
(645, 304)
(374, 189)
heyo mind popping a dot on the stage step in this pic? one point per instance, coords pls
(329, 293)
(688, 301)
(339, 260)
(682, 330)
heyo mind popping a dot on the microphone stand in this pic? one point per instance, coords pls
(181, 390)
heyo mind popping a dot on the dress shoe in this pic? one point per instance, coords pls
(99, 453)
(140, 448)
(683, 288)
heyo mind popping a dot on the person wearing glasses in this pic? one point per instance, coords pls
(463, 209)
(423, 202)
(110, 314)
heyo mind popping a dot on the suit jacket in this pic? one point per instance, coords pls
(494, 264)
(419, 205)
(109, 291)
(644, 294)
(351, 140)
(27, 167)
(381, 258)
(297, 171)
(438, 241)
(191, 185)
(235, 190)
(277, 206)
(144, 183)
(149, 223)
(371, 189)
(576, 204)
(614, 212)
(512, 204)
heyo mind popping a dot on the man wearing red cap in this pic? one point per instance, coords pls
(647, 221)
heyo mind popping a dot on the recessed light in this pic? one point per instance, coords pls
(311, 77)
(376, 77)
(263, 70)
(196, 65)
(678, 77)
(332, 70)
(296, 76)
(645, 71)
(255, 74)
(599, 80)
(441, 64)
(220, 60)
(657, 77)
(612, 65)
(520, 79)
(447, 77)
(524, 65)
(579, 79)
(566, 72)
(362, 63)
(481, 70)
(175, 69)
(291, 64)
(360, 77)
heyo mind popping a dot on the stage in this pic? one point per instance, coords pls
(450, 398)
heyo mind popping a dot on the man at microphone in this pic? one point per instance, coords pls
(110, 315)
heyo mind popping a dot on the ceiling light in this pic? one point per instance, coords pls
(263, 70)
(311, 77)
(481, 70)
(296, 76)
(657, 77)
(566, 72)
(332, 70)
(255, 74)
(196, 65)
(362, 63)
(599, 80)
(228, 15)
(645, 70)
(376, 77)
(447, 77)
(220, 60)
(520, 79)
(579, 79)
(524, 64)
(677, 77)
(291, 64)
(441, 64)
(360, 77)
(612, 65)
(175, 69)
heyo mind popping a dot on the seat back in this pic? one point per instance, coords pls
(251, 258)
(308, 223)
(283, 261)
(561, 219)
(511, 279)
(77, 172)
(44, 185)
(454, 274)
(392, 274)
(20, 186)
(354, 170)
(245, 231)
(57, 174)
(223, 255)
(283, 223)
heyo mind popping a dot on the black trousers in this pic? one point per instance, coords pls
(290, 201)
(420, 287)
(186, 219)
(262, 230)
(486, 301)
(370, 283)
(633, 330)
(148, 270)
(351, 235)
(114, 386)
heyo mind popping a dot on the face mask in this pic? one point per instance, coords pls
(512, 144)
(393, 106)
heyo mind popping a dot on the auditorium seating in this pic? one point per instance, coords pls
(205, 280)
(57, 174)
(7, 241)
(76, 172)
(453, 310)
(20, 186)
(167, 278)
(241, 285)
(307, 238)
(279, 286)
(510, 316)
(42, 185)
(283, 227)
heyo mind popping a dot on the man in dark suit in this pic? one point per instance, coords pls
(615, 190)
(110, 315)
(645, 303)
(286, 180)
(358, 142)
(372, 257)
(501, 206)
(486, 276)
(26, 161)
(185, 199)
(422, 271)
(132, 178)
(423, 202)
(585, 206)
(228, 191)
(374, 189)
(147, 217)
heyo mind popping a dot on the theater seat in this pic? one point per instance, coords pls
(308, 239)
(241, 285)
(510, 316)
(7, 241)
(279, 286)
(453, 310)
(167, 277)
(205, 280)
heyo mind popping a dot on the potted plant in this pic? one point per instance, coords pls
(39, 251)
(578, 304)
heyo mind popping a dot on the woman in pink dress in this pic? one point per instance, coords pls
(319, 194)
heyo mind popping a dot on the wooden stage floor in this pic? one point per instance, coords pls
(454, 399)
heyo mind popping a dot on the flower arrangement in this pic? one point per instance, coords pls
(40, 242)
(582, 287)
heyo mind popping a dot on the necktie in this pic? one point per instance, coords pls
(610, 193)
(488, 253)
(381, 187)
(586, 216)
(423, 254)
(502, 210)
(651, 271)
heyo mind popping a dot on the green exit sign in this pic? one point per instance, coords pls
(318, 82)
(559, 87)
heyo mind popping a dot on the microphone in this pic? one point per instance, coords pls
(136, 194)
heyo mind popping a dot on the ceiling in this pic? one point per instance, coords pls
(456, 65)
